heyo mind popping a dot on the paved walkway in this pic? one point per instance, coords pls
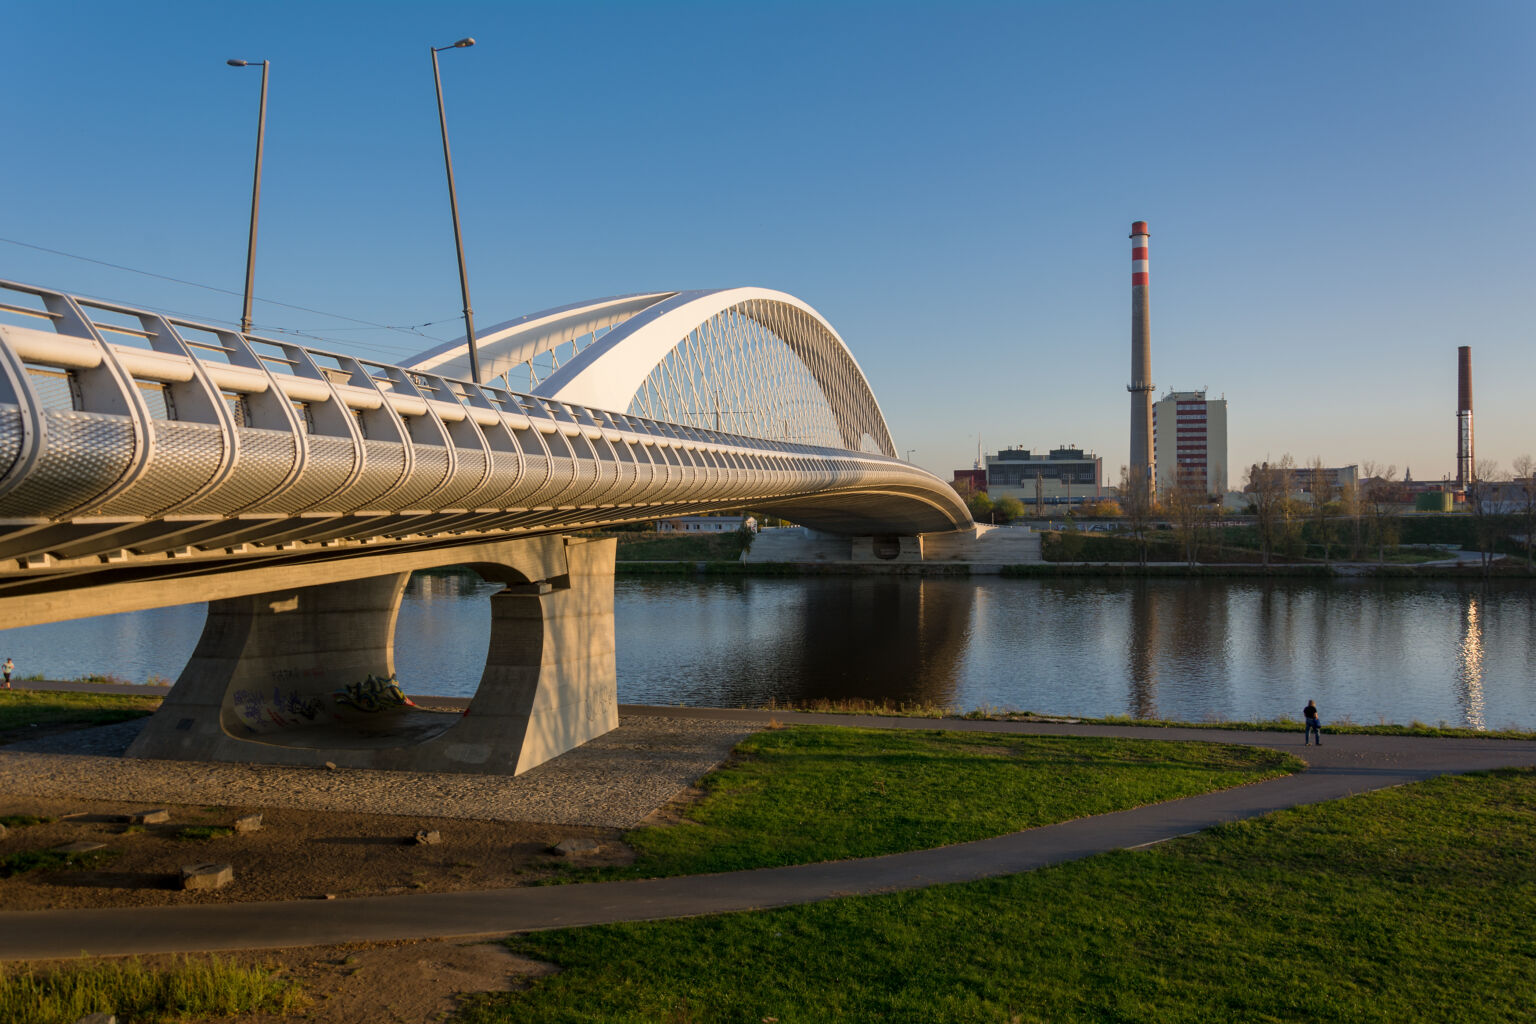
(1343, 766)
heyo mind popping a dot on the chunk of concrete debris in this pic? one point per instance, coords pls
(428, 837)
(571, 847)
(83, 846)
(249, 823)
(98, 1018)
(158, 817)
(2, 831)
(331, 765)
(206, 876)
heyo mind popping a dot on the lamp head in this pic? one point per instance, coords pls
(237, 63)
(466, 41)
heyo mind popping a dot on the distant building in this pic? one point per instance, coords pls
(970, 481)
(1337, 477)
(1189, 441)
(1062, 476)
(1298, 483)
(706, 524)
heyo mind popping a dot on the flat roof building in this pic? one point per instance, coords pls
(1062, 475)
(1189, 441)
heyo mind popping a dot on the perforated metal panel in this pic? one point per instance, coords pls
(565, 481)
(326, 469)
(426, 477)
(468, 470)
(498, 488)
(381, 471)
(266, 457)
(536, 468)
(85, 455)
(187, 455)
(10, 437)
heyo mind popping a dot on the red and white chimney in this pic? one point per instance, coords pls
(1142, 462)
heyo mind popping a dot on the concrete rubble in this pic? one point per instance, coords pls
(206, 876)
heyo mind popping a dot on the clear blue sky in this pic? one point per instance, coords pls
(1339, 193)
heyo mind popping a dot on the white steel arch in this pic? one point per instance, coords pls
(706, 340)
(512, 349)
(751, 361)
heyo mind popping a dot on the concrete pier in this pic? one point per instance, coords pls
(305, 674)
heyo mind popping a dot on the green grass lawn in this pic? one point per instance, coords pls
(993, 713)
(811, 793)
(1408, 904)
(138, 995)
(23, 712)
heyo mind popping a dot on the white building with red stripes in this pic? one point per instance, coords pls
(1189, 441)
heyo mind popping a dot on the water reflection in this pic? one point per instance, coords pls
(1367, 651)
(758, 640)
(1193, 649)
(1470, 664)
(1141, 653)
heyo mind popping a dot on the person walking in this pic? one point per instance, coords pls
(9, 666)
(1314, 727)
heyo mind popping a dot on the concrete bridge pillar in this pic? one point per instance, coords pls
(305, 675)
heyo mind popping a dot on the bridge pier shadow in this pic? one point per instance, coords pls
(305, 674)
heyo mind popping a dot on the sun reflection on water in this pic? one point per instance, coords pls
(1469, 665)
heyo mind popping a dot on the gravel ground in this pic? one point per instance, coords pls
(613, 781)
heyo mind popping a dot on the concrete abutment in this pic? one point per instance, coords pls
(305, 674)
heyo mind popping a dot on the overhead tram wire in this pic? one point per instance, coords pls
(225, 291)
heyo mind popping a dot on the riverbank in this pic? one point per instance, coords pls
(120, 701)
(886, 936)
(990, 713)
(1047, 570)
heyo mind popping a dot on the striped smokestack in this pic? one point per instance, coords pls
(1464, 464)
(1142, 466)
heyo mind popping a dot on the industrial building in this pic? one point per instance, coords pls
(1189, 441)
(1062, 476)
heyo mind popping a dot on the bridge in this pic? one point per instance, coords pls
(149, 460)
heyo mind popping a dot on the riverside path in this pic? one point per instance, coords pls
(1347, 765)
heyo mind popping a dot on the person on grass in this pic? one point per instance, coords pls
(1314, 727)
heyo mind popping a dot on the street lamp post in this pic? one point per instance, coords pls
(261, 135)
(453, 204)
(909, 453)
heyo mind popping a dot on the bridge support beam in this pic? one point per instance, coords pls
(305, 675)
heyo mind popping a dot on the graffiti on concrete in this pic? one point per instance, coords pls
(281, 710)
(373, 694)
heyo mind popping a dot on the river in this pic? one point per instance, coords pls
(1194, 649)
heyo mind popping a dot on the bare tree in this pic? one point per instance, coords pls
(1216, 498)
(1525, 473)
(1271, 485)
(1322, 493)
(1378, 492)
(1136, 501)
(1351, 504)
(1188, 506)
(1484, 504)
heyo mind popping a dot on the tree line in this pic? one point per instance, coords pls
(1298, 512)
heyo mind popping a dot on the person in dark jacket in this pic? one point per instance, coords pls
(1314, 727)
